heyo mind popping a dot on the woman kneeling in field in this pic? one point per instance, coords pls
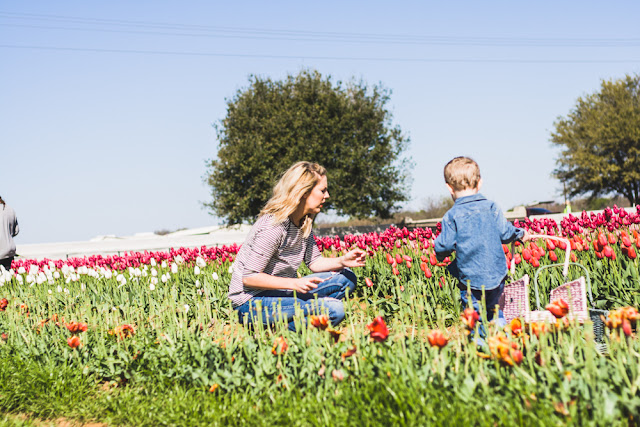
(265, 270)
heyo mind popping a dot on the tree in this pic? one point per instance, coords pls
(600, 140)
(273, 124)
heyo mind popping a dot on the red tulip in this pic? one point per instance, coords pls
(395, 271)
(559, 308)
(408, 264)
(550, 245)
(437, 339)
(398, 259)
(517, 356)
(626, 327)
(378, 329)
(427, 273)
(432, 259)
(608, 252)
(389, 259)
(369, 282)
(552, 256)
(3, 304)
(602, 240)
(526, 254)
(73, 341)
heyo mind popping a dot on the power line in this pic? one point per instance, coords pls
(333, 58)
(296, 35)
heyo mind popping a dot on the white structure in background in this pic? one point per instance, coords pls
(111, 245)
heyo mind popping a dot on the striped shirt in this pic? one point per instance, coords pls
(274, 249)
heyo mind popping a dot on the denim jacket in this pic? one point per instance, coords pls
(475, 229)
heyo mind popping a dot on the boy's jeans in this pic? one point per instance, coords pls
(280, 304)
(492, 298)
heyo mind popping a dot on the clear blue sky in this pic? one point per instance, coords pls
(107, 108)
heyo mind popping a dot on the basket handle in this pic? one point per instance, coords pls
(586, 273)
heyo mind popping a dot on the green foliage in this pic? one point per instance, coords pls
(346, 128)
(600, 140)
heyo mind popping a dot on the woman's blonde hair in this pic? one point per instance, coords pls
(294, 184)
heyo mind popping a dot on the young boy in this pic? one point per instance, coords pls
(475, 229)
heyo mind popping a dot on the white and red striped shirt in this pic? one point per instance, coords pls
(274, 249)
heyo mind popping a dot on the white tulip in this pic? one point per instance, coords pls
(154, 272)
(196, 270)
(200, 262)
(56, 275)
(214, 275)
(164, 264)
(152, 261)
(21, 270)
(59, 288)
(164, 278)
(174, 268)
(186, 308)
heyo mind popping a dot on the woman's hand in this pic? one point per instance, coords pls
(306, 284)
(354, 258)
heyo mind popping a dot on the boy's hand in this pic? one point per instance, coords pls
(526, 236)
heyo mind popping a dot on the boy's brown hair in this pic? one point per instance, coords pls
(462, 173)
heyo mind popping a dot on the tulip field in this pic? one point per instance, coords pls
(151, 339)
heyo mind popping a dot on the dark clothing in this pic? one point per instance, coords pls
(6, 263)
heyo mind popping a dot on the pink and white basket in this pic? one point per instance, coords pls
(515, 299)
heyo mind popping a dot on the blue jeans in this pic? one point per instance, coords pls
(281, 305)
(491, 300)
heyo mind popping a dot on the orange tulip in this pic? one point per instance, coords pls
(505, 351)
(437, 339)
(469, 317)
(559, 308)
(319, 322)
(73, 341)
(516, 326)
(280, 346)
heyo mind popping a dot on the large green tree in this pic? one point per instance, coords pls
(600, 140)
(347, 128)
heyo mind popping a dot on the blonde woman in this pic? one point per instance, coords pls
(265, 269)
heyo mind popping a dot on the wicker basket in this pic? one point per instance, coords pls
(515, 300)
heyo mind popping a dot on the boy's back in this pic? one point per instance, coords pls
(475, 229)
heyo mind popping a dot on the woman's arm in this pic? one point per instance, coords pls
(353, 258)
(267, 281)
